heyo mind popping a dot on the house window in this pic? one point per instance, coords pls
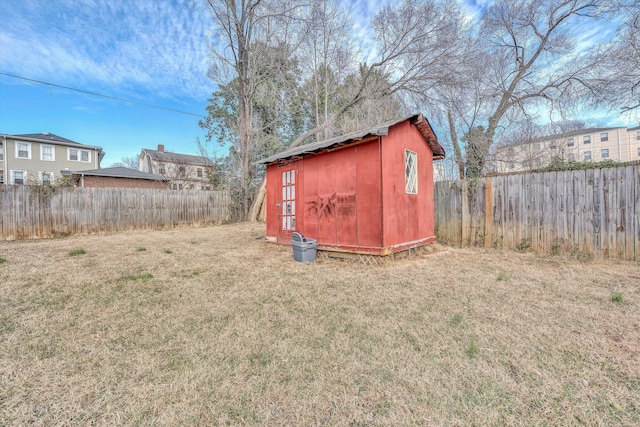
(1, 176)
(18, 177)
(162, 169)
(538, 163)
(512, 165)
(638, 135)
(23, 150)
(182, 171)
(605, 153)
(554, 144)
(587, 155)
(177, 186)
(604, 136)
(586, 139)
(536, 147)
(76, 155)
(47, 153)
(1, 153)
(571, 157)
(411, 172)
(569, 142)
(199, 171)
(638, 151)
(45, 178)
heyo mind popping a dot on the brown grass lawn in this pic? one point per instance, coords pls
(211, 326)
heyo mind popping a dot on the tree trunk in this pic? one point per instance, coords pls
(456, 144)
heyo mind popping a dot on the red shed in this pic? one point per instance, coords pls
(367, 192)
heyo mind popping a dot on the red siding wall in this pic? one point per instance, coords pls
(407, 217)
(273, 189)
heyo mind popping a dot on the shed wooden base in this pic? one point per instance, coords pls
(369, 259)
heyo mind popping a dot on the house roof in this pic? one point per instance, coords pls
(163, 156)
(561, 136)
(380, 130)
(118, 172)
(51, 138)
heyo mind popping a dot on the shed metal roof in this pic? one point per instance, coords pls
(380, 130)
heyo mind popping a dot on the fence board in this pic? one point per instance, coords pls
(594, 212)
(25, 212)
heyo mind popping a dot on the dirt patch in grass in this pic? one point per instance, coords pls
(211, 326)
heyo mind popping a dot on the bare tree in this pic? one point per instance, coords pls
(527, 57)
(130, 162)
(415, 40)
(247, 31)
(615, 74)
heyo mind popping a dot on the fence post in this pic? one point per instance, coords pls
(466, 222)
(488, 213)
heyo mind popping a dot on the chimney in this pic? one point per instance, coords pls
(161, 148)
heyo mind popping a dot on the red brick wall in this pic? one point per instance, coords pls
(104, 181)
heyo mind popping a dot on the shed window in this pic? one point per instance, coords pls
(411, 172)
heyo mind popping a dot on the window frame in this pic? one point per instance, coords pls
(408, 154)
(200, 173)
(570, 142)
(586, 139)
(1, 153)
(604, 136)
(79, 152)
(53, 153)
(571, 157)
(13, 177)
(28, 145)
(604, 153)
(590, 157)
(51, 176)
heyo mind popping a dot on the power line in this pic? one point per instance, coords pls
(115, 98)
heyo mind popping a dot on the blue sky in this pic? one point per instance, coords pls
(150, 51)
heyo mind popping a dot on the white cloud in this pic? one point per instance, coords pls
(155, 48)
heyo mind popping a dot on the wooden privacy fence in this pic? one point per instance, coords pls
(26, 212)
(594, 212)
